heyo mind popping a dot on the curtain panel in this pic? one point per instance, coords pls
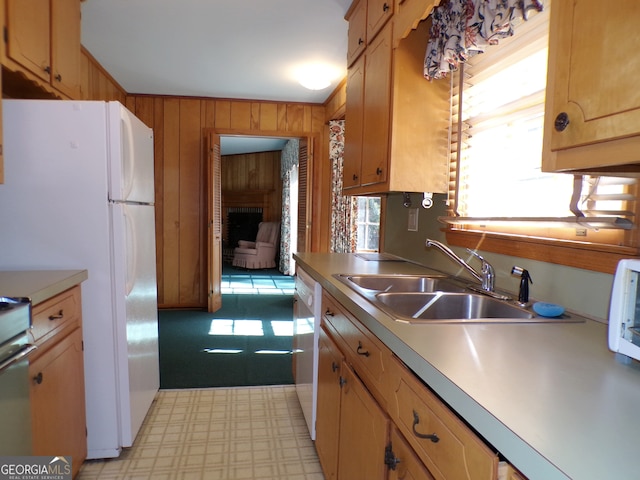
(344, 209)
(463, 28)
(288, 160)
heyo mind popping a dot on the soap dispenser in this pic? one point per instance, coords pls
(525, 279)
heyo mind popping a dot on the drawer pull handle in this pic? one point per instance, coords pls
(329, 313)
(38, 378)
(362, 352)
(416, 420)
(334, 367)
(58, 316)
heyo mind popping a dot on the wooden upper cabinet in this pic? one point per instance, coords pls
(357, 35)
(378, 13)
(43, 41)
(28, 35)
(353, 118)
(65, 46)
(400, 137)
(592, 111)
(377, 110)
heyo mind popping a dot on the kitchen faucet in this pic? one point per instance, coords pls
(487, 275)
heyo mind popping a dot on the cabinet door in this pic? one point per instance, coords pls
(363, 432)
(28, 28)
(353, 125)
(592, 93)
(378, 13)
(328, 412)
(57, 401)
(377, 110)
(357, 38)
(403, 462)
(65, 46)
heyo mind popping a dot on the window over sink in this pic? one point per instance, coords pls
(498, 193)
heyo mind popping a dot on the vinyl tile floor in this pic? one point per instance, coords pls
(240, 433)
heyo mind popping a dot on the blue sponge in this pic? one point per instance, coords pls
(548, 309)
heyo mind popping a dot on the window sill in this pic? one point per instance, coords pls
(585, 255)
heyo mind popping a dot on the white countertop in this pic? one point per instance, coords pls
(550, 397)
(39, 285)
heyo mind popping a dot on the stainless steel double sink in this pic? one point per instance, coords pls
(419, 299)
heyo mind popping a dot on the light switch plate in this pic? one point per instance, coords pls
(412, 224)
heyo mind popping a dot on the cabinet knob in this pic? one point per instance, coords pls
(385, 7)
(562, 121)
(47, 69)
(334, 366)
(378, 171)
(360, 41)
(58, 77)
(355, 177)
(390, 459)
(328, 313)
(38, 378)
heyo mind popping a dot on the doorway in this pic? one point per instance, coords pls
(252, 183)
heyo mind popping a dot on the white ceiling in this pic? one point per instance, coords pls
(243, 49)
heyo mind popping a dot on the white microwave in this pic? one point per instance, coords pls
(624, 310)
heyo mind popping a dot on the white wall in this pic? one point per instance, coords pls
(581, 291)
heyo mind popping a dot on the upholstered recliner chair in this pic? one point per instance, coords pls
(262, 252)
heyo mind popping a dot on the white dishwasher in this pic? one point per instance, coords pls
(306, 330)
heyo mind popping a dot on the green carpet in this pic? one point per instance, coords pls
(246, 343)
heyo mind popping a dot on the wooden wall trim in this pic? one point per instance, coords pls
(595, 257)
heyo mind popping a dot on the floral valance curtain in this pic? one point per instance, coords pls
(463, 28)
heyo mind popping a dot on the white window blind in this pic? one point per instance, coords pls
(499, 97)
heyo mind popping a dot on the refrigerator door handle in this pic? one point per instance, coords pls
(131, 251)
(128, 156)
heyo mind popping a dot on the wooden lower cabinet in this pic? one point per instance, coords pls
(377, 420)
(402, 461)
(363, 431)
(328, 410)
(56, 370)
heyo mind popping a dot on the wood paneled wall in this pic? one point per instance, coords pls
(180, 170)
(181, 220)
(96, 83)
(250, 178)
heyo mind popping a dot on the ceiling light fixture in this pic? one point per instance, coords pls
(316, 76)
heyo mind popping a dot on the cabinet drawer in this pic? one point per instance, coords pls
(56, 313)
(361, 348)
(456, 453)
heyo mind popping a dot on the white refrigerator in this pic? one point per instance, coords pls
(79, 194)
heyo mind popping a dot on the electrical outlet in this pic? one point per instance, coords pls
(412, 224)
(581, 232)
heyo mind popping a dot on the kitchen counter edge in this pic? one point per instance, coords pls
(39, 285)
